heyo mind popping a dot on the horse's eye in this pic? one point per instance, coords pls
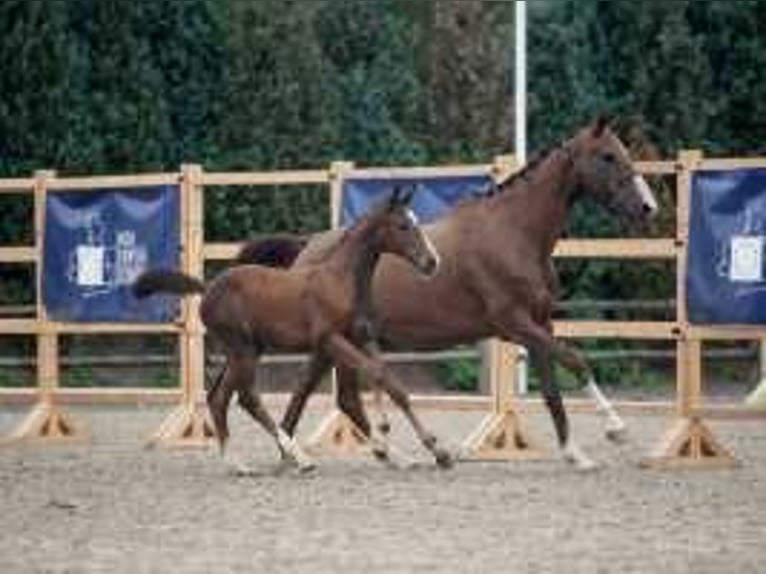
(609, 157)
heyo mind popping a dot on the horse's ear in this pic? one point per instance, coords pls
(396, 197)
(602, 122)
(407, 197)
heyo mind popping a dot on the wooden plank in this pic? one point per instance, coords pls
(726, 332)
(417, 172)
(616, 329)
(18, 326)
(665, 167)
(723, 164)
(322, 402)
(98, 182)
(17, 185)
(112, 328)
(93, 396)
(258, 178)
(221, 251)
(617, 248)
(18, 254)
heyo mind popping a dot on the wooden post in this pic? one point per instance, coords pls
(336, 434)
(501, 435)
(689, 443)
(189, 424)
(46, 421)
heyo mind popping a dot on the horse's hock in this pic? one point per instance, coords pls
(689, 442)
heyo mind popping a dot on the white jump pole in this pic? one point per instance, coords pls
(757, 398)
(520, 135)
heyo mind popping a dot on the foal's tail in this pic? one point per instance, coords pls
(165, 281)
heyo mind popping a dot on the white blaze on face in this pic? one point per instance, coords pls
(647, 197)
(429, 244)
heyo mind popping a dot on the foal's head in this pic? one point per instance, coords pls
(396, 231)
(603, 170)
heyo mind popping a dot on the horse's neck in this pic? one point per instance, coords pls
(539, 201)
(357, 254)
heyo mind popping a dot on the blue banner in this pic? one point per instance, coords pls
(96, 244)
(434, 196)
(726, 275)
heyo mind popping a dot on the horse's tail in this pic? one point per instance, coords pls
(165, 281)
(273, 251)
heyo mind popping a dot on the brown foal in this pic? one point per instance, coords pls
(318, 307)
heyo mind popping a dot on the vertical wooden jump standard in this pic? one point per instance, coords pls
(189, 424)
(46, 422)
(501, 434)
(689, 443)
(336, 434)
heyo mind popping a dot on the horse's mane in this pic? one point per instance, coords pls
(495, 187)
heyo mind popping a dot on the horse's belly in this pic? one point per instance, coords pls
(417, 313)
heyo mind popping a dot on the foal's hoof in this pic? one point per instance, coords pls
(444, 460)
(307, 467)
(577, 458)
(617, 433)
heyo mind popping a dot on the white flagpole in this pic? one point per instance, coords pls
(520, 83)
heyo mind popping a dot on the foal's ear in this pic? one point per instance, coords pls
(396, 198)
(602, 122)
(407, 196)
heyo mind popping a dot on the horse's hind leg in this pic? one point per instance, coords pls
(346, 353)
(218, 399)
(251, 402)
(616, 429)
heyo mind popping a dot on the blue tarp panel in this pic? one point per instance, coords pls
(97, 242)
(726, 279)
(434, 196)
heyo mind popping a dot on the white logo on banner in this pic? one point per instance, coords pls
(100, 266)
(740, 257)
(90, 265)
(746, 259)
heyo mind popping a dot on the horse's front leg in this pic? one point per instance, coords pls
(384, 426)
(319, 365)
(616, 430)
(346, 353)
(521, 328)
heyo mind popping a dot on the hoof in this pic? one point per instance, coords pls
(241, 471)
(307, 468)
(444, 460)
(618, 434)
(576, 457)
(586, 467)
(381, 455)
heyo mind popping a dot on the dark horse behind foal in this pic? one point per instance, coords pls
(250, 308)
(497, 277)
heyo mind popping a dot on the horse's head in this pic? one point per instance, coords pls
(603, 171)
(397, 232)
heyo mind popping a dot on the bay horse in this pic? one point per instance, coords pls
(497, 277)
(251, 308)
